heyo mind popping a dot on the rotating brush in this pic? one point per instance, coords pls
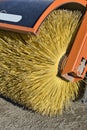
(30, 64)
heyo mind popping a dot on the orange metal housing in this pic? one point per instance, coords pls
(54, 5)
(76, 66)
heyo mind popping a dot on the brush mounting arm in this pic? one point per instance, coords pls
(76, 65)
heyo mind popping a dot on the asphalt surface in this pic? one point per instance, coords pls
(13, 117)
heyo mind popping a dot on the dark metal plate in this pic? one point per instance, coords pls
(22, 12)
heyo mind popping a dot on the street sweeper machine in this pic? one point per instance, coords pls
(27, 16)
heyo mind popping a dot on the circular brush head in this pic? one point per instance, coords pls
(29, 64)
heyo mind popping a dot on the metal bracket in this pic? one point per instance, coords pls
(76, 65)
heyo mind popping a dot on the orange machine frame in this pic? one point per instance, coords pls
(75, 69)
(53, 6)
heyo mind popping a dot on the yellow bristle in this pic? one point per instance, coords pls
(29, 64)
